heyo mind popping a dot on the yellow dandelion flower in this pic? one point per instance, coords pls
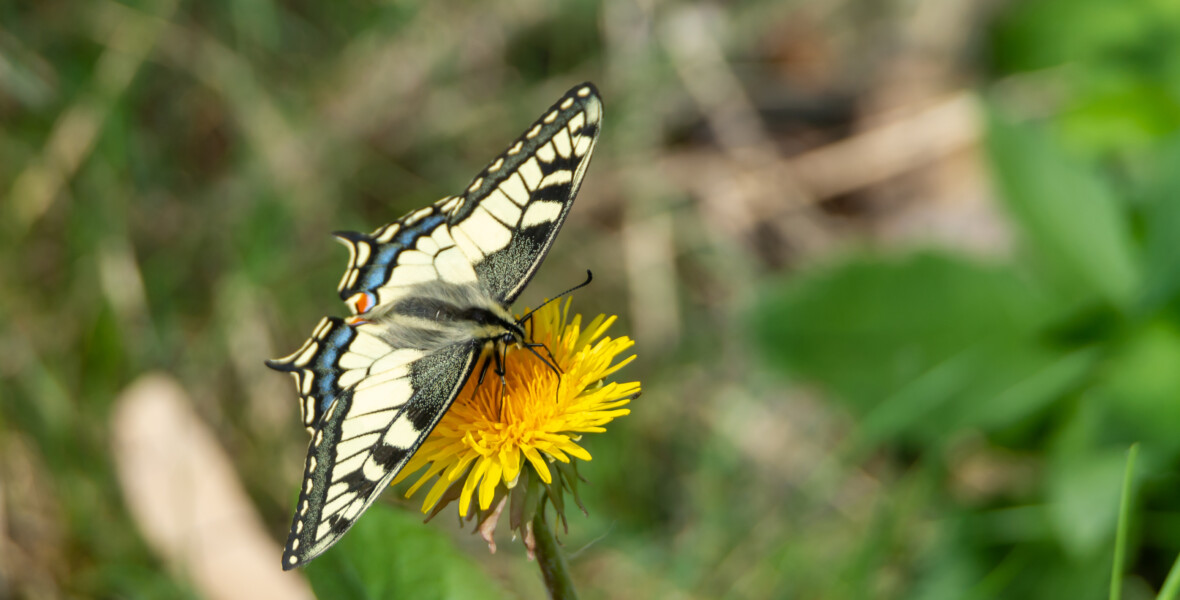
(491, 434)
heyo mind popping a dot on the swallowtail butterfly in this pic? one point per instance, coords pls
(428, 292)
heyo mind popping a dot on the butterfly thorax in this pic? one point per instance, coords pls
(436, 314)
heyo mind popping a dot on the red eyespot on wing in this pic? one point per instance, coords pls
(361, 302)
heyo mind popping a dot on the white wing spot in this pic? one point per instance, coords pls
(533, 132)
(362, 425)
(466, 244)
(442, 237)
(351, 377)
(374, 470)
(417, 215)
(294, 545)
(454, 267)
(540, 213)
(556, 178)
(376, 378)
(307, 353)
(353, 511)
(561, 140)
(427, 245)
(363, 251)
(475, 184)
(353, 360)
(515, 189)
(414, 257)
(350, 465)
(531, 172)
(584, 92)
(568, 102)
(367, 343)
(551, 117)
(546, 153)
(394, 364)
(292, 560)
(501, 207)
(386, 233)
(401, 434)
(337, 489)
(483, 229)
(411, 274)
(357, 444)
(373, 399)
(577, 122)
(334, 506)
(492, 168)
(515, 148)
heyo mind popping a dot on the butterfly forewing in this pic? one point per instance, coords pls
(373, 387)
(417, 248)
(512, 210)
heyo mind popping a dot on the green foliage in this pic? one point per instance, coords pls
(420, 562)
(1066, 353)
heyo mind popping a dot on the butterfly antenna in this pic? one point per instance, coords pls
(589, 278)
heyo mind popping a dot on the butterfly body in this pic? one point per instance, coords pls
(429, 293)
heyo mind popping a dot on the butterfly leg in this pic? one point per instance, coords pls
(483, 370)
(551, 363)
(500, 353)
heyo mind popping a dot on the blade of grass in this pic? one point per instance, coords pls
(1172, 583)
(1120, 539)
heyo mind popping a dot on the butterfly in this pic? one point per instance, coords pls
(428, 294)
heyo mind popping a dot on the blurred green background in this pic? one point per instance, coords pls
(902, 274)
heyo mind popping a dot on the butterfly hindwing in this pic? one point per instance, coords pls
(382, 403)
(513, 209)
(316, 368)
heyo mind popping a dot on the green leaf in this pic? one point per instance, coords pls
(922, 344)
(1162, 227)
(1067, 215)
(1084, 491)
(1137, 390)
(392, 554)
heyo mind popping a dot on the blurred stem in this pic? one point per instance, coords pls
(554, 569)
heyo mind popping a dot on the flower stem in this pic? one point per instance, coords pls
(554, 569)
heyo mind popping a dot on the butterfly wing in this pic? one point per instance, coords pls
(381, 403)
(369, 402)
(508, 217)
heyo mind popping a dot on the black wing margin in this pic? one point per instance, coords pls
(513, 209)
